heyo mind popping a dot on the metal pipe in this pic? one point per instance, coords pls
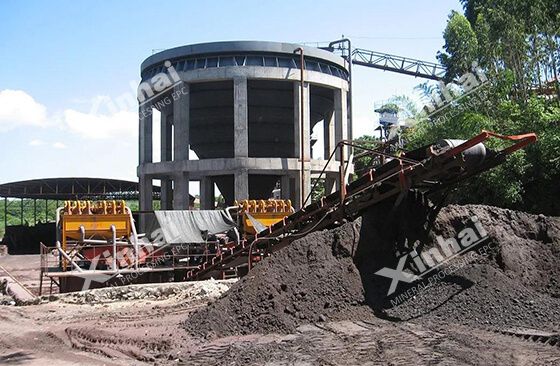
(231, 218)
(349, 107)
(58, 234)
(347, 168)
(94, 241)
(114, 232)
(341, 173)
(16, 281)
(301, 120)
(5, 213)
(57, 219)
(134, 237)
(63, 253)
(227, 209)
(83, 232)
(250, 258)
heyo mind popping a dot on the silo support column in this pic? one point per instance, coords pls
(181, 196)
(241, 118)
(206, 193)
(166, 155)
(306, 187)
(145, 200)
(145, 156)
(181, 122)
(146, 135)
(329, 142)
(241, 183)
(166, 194)
(300, 121)
(166, 135)
(341, 121)
(285, 190)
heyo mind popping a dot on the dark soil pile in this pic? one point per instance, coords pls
(312, 280)
(330, 275)
(511, 280)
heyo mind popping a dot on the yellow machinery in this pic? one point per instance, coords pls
(87, 222)
(265, 212)
(95, 218)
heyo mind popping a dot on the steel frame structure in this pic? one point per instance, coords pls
(399, 64)
(426, 170)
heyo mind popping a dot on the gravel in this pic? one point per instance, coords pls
(208, 289)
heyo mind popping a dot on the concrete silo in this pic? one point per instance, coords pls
(237, 105)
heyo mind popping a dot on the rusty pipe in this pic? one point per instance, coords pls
(301, 120)
(342, 173)
(349, 107)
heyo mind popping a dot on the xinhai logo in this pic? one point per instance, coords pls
(159, 83)
(448, 93)
(430, 259)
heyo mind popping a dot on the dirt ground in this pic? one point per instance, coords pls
(320, 308)
(26, 268)
(149, 332)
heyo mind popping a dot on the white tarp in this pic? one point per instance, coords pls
(259, 226)
(187, 226)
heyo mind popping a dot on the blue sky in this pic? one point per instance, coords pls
(58, 58)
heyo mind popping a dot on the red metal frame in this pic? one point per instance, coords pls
(362, 193)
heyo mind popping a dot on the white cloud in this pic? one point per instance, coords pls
(36, 142)
(17, 108)
(121, 124)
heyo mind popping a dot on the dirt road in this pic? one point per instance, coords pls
(149, 332)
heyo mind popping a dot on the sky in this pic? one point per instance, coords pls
(61, 62)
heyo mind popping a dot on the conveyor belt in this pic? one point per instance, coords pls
(426, 170)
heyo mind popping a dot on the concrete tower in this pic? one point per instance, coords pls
(237, 105)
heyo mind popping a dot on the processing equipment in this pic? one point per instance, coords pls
(98, 242)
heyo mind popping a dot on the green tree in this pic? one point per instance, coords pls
(363, 163)
(461, 46)
(517, 46)
(520, 37)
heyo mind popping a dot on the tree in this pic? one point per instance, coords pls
(520, 37)
(363, 163)
(461, 47)
(517, 45)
